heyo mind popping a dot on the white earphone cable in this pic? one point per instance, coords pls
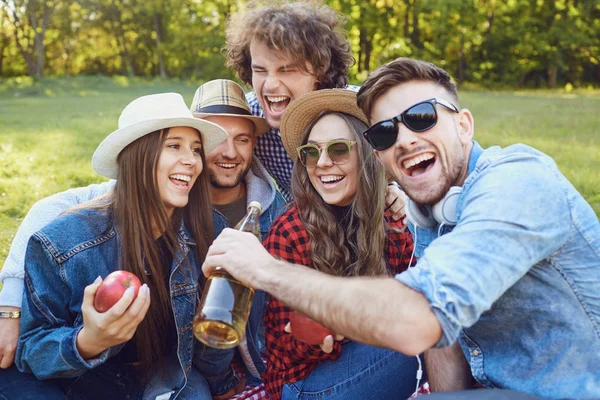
(414, 247)
(440, 229)
(419, 375)
(420, 369)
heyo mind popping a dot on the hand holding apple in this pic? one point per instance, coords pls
(115, 326)
(311, 332)
(113, 287)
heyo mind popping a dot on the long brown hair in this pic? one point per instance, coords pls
(136, 206)
(331, 248)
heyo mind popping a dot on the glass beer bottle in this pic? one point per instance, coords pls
(225, 304)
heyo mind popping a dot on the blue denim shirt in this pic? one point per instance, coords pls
(517, 280)
(63, 258)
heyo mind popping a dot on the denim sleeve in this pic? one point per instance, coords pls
(42, 213)
(511, 216)
(47, 345)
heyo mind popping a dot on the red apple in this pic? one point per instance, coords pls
(113, 287)
(307, 330)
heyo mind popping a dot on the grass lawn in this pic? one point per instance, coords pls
(49, 131)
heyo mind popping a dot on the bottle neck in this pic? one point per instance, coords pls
(251, 216)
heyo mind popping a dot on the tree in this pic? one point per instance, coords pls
(4, 37)
(30, 19)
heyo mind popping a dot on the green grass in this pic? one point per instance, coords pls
(49, 130)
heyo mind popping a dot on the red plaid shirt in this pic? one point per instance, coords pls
(289, 360)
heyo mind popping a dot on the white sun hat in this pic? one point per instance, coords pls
(145, 115)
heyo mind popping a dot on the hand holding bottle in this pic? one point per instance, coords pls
(225, 304)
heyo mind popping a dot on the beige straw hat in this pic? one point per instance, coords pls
(222, 97)
(302, 111)
(145, 115)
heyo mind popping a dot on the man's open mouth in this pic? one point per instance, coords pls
(226, 165)
(419, 164)
(277, 104)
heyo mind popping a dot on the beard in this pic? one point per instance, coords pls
(450, 175)
(219, 182)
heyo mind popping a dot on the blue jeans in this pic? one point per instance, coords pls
(361, 372)
(197, 387)
(483, 394)
(103, 382)
(17, 385)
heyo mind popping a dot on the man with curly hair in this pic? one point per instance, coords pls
(283, 51)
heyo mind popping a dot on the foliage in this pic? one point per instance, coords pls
(495, 43)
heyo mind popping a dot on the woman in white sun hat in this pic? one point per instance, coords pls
(157, 224)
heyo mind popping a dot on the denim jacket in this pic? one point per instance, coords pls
(259, 187)
(516, 281)
(63, 258)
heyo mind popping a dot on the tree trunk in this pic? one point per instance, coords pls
(362, 39)
(27, 56)
(3, 46)
(359, 58)
(552, 77)
(407, 19)
(39, 40)
(19, 28)
(523, 79)
(31, 69)
(572, 75)
(487, 35)
(415, 34)
(159, 39)
(368, 49)
(460, 72)
(117, 27)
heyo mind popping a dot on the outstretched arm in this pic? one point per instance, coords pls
(377, 311)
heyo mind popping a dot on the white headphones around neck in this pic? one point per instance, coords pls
(443, 212)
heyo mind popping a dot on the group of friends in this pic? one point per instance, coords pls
(493, 286)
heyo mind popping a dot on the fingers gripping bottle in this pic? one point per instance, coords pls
(225, 304)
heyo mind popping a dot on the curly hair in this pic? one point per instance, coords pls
(331, 247)
(301, 31)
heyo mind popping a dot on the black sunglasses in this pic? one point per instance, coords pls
(418, 118)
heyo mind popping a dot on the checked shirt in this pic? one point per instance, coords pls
(289, 360)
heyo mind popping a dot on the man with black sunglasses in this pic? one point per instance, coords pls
(506, 284)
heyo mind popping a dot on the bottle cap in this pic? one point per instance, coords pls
(255, 204)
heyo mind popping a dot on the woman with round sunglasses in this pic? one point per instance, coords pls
(156, 224)
(335, 225)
